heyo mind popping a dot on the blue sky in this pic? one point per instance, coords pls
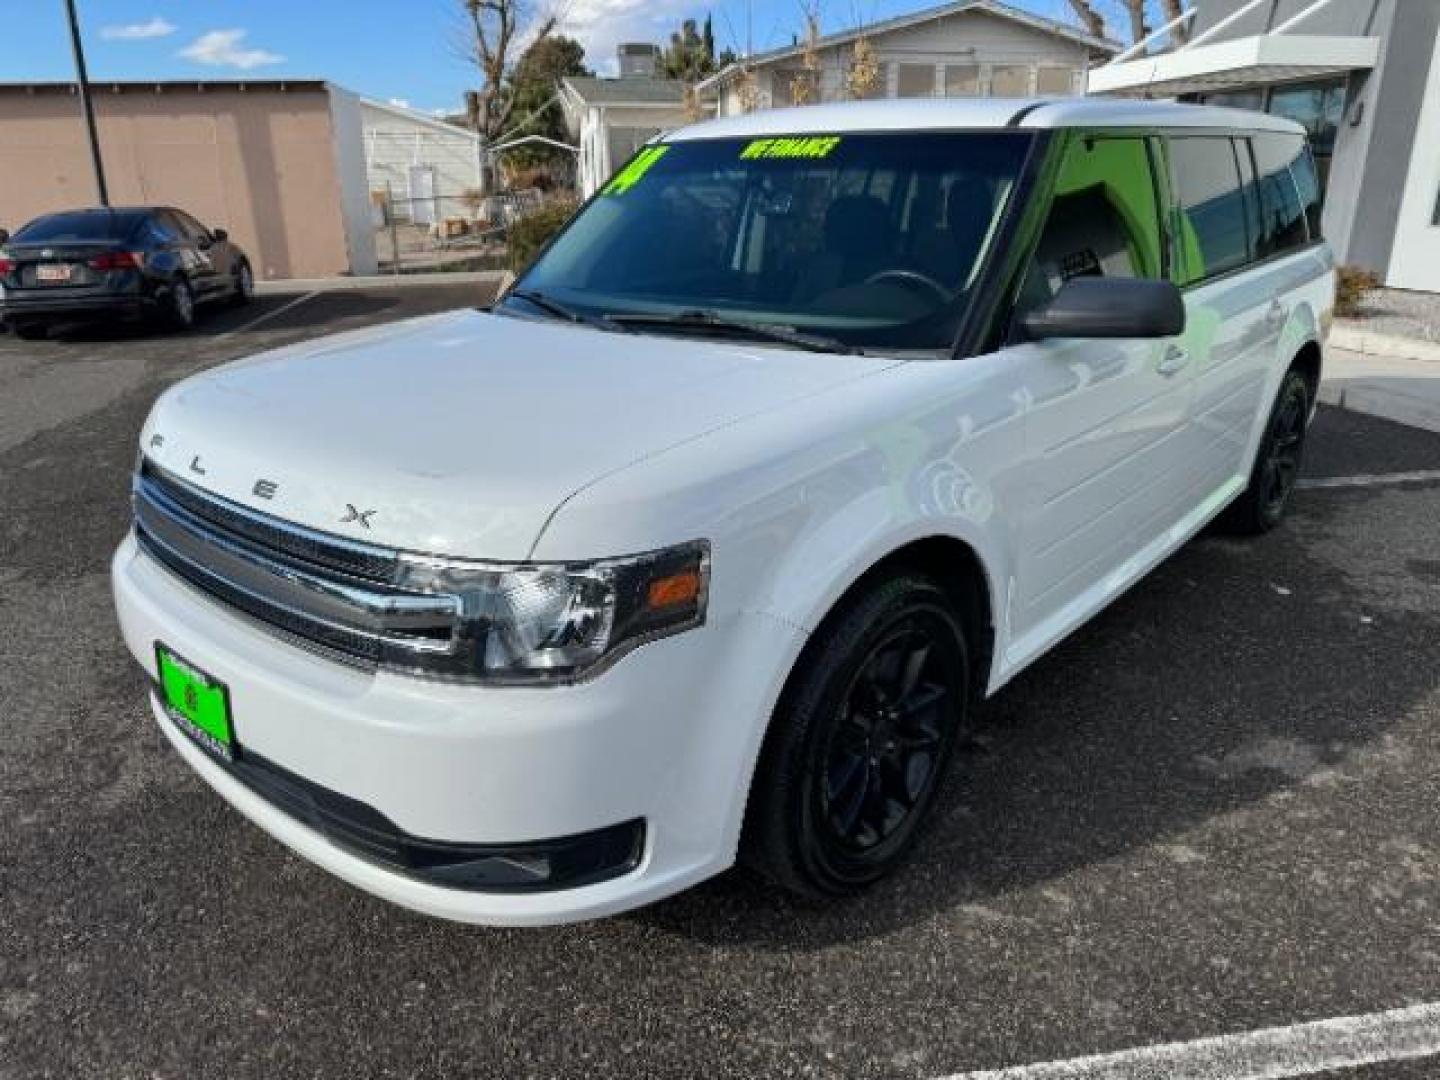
(390, 49)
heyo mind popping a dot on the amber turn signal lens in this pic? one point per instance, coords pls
(682, 588)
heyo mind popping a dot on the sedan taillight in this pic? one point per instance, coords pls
(6, 266)
(116, 260)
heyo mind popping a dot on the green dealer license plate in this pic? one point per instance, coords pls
(198, 703)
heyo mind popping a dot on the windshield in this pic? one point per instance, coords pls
(869, 240)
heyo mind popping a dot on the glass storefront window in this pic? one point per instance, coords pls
(1238, 99)
(1317, 106)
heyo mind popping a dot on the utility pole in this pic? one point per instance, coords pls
(86, 106)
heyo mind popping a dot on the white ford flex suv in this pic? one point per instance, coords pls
(810, 430)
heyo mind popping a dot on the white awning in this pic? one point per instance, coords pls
(1231, 65)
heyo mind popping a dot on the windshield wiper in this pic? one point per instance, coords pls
(554, 307)
(710, 321)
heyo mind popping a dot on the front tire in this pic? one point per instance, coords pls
(244, 285)
(860, 741)
(1263, 504)
(181, 309)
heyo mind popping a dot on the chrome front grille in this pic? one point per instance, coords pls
(317, 590)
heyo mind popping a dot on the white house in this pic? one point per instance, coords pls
(966, 48)
(424, 163)
(612, 118)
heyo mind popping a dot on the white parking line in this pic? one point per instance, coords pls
(1423, 476)
(268, 316)
(1271, 1054)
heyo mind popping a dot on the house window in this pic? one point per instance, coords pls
(1010, 80)
(916, 80)
(1055, 81)
(962, 80)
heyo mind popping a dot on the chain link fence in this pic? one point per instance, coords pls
(464, 231)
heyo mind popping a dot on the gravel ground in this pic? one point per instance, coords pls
(1404, 314)
(1211, 810)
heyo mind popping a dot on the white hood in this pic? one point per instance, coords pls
(462, 432)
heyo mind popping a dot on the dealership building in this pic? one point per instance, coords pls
(280, 164)
(1362, 75)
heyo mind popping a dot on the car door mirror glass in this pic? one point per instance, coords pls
(219, 235)
(1097, 307)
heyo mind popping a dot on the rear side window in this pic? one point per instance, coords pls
(80, 226)
(1104, 221)
(1212, 232)
(1282, 211)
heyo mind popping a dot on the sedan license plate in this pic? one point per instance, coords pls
(53, 272)
(198, 703)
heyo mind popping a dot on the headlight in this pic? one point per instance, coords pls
(555, 623)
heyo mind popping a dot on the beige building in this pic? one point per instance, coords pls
(280, 164)
(965, 48)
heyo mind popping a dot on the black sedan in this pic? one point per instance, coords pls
(124, 263)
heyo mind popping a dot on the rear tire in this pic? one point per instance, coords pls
(860, 741)
(30, 331)
(180, 311)
(1265, 500)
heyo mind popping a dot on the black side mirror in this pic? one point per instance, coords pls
(1098, 307)
(220, 235)
(4, 236)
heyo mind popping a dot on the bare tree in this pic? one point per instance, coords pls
(805, 84)
(495, 31)
(1093, 18)
(1172, 10)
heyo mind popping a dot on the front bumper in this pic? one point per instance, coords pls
(667, 737)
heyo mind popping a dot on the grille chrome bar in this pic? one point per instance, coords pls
(251, 562)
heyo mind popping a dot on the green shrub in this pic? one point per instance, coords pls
(533, 232)
(1352, 285)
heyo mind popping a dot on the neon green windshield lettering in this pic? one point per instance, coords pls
(633, 173)
(811, 148)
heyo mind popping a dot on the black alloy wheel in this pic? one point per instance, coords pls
(858, 747)
(1278, 459)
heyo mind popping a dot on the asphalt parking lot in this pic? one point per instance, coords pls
(1213, 810)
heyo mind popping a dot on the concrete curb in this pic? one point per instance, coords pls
(1386, 404)
(379, 281)
(1368, 343)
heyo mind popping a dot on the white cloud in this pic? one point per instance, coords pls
(601, 25)
(400, 102)
(155, 28)
(224, 48)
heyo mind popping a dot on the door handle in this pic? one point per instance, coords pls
(1174, 361)
(1276, 315)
